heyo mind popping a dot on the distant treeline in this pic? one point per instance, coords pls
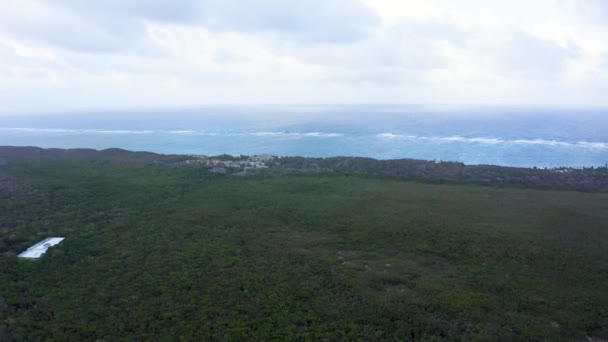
(592, 179)
(586, 179)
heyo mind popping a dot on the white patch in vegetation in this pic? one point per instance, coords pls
(37, 250)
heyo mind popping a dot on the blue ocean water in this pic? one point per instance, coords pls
(473, 135)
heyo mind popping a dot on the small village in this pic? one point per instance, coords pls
(227, 164)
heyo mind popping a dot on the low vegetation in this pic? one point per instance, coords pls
(155, 252)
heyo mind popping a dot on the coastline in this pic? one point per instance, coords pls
(591, 179)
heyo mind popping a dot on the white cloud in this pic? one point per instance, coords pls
(81, 53)
(305, 20)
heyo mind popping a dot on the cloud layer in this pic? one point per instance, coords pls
(70, 54)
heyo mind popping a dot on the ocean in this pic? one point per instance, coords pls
(523, 137)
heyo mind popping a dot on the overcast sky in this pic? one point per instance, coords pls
(77, 54)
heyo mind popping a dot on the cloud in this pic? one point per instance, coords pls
(534, 56)
(52, 24)
(307, 20)
(595, 11)
(397, 47)
(111, 11)
(117, 25)
(187, 52)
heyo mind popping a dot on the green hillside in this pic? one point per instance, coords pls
(158, 253)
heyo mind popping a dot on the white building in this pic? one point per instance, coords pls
(262, 158)
(40, 248)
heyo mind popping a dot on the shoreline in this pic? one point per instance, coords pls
(162, 154)
(591, 179)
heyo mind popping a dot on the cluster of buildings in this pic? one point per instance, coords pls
(223, 165)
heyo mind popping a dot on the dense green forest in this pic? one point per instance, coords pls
(158, 253)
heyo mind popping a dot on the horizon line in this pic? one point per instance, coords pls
(294, 105)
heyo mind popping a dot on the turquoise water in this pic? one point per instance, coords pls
(474, 135)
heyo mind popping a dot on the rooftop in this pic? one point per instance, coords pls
(40, 248)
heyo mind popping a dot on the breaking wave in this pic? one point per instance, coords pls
(178, 132)
(297, 134)
(193, 132)
(260, 134)
(68, 130)
(287, 134)
(496, 141)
